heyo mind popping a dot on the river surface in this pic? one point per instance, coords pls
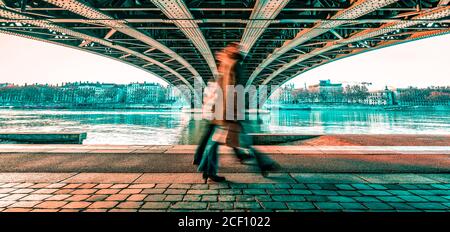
(174, 127)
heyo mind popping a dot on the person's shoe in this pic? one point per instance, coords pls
(214, 178)
(269, 168)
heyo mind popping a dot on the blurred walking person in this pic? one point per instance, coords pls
(227, 127)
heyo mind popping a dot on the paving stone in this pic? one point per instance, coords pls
(435, 198)
(349, 193)
(366, 199)
(107, 191)
(13, 197)
(219, 186)
(261, 186)
(324, 192)
(103, 205)
(316, 198)
(300, 205)
(247, 205)
(123, 210)
(174, 198)
(254, 191)
(395, 178)
(130, 205)
(160, 185)
(12, 210)
(119, 186)
(58, 197)
(130, 191)
(226, 198)
(377, 206)
(175, 191)
(374, 192)
(428, 205)
(412, 198)
(189, 205)
(328, 187)
(288, 198)
(202, 192)
(89, 210)
(299, 186)
(300, 191)
(400, 206)
(400, 192)
(77, 198)
(277, 191)
(24, 204)
(117, 197)
(390, 199)
(230, 191)
(7, 190)
(282, 186)
(245, 198)
(192, 198)
(103, 186)
(313, 187)
(85, 186)
(238, 185)
(142, 186)
(362, 186)
(156, 205)
(221, 205)
(137, 197)
(26, 185)
(341, 199)
(262, 198)
(153, 191)
(51, 204)
(274, 205)
(377, 186)
(209, 198)
(180, 186)
(24, 190)
(200, 186)
(64, 191)
(328, 205)
(77, 205)
(36, 197)
(353, 206)
(344, 187)
(155, 197)
(97, 197)
(83, 191)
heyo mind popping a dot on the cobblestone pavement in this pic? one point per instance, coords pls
(123, 192)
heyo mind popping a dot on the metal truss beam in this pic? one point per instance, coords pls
(262, 11)
(357, 10)
(177, 9)
(64, 31)
(439, 12)
(412, 37)
(121, 26)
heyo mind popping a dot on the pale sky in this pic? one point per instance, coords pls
(420, 63)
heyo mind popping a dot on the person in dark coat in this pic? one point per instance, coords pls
(227, 130)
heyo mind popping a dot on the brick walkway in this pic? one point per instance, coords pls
(99, 192)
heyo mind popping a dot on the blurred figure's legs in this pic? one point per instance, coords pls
(209, 163)
(203, 142)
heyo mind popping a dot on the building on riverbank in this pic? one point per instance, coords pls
(87, 94)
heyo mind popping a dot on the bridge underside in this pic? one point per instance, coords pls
(177, 40)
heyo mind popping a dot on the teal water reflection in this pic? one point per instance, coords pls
(173, 127)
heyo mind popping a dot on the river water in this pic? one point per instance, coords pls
(174, 127)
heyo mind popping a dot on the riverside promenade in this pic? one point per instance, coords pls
(73, 178)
